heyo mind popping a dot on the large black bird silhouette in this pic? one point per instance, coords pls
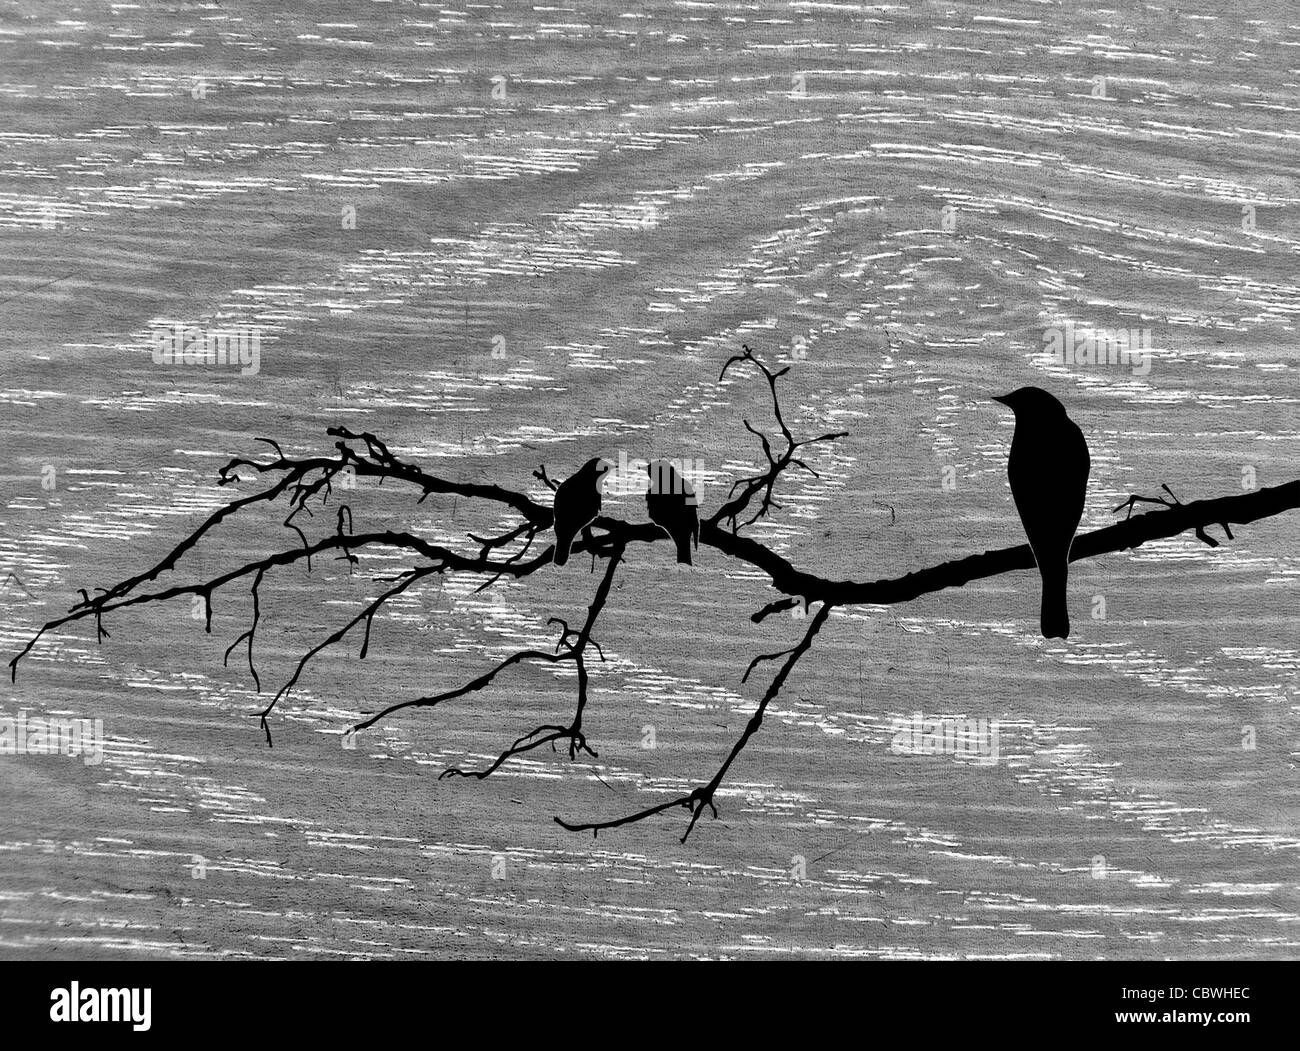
(1048, 472)
(672, 506)
(576, 504)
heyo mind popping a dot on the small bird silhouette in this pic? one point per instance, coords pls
(1048, 472)
(671, 502)
(576, 504)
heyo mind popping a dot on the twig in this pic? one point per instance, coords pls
(702, 796)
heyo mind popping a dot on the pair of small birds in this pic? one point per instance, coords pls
(1047, 470)
(670, 502)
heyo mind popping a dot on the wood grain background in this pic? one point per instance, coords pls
(653, 184)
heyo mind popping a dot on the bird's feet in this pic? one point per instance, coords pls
(1201, 534)
(1134, 500)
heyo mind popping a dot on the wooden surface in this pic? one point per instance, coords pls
(652, 190)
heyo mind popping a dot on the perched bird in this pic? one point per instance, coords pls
(672, 506)
(1048, 471)
(576, 504)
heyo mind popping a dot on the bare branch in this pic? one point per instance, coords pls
(307, 483)
(367, 615)
(764, 484)
(696, 800)
(574, 650)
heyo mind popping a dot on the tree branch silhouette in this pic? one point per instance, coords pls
(696, 800)
(299, 483)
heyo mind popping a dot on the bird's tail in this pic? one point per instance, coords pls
(1054, 615)
(562, 545)
(683, 543)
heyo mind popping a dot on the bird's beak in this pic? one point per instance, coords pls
(1005, 399)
